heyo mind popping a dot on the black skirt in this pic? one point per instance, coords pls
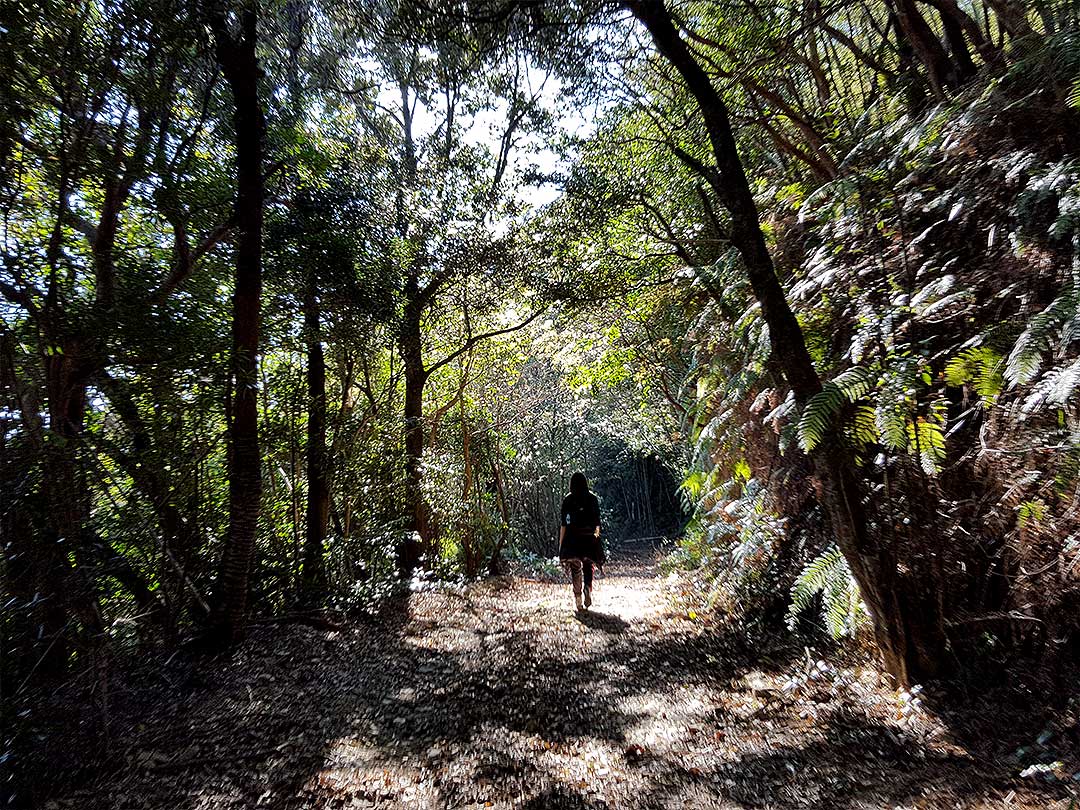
(581, 545)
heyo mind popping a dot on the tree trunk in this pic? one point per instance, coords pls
(984, 47)
(954, 35)
(495, 562)
(466, 494)
(912, 82)
(67, 511)
(940, 71)
(1012, 17)
(415, 379)
(179, 535)
(730, 184)
(904, 624)
(1046, 14)
(238, 61)
(313, 578)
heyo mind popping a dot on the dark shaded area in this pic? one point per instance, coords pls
(284, 721)
(606, 622)
(638, 492)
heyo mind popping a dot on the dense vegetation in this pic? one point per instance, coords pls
(307, 302)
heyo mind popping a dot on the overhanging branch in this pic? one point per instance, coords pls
(475, 339)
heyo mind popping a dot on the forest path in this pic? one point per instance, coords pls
(499, 695)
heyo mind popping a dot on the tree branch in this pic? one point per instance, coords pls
(475, 339)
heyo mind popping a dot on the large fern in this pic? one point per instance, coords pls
(842, 610)
(1060, 319)
(861, 430)
(895, 397)
(982, 368)
(1055, 388)
(820, 412)
(926, 438)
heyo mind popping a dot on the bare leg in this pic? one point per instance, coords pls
(574, 569)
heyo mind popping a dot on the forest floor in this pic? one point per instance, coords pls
(499, 695)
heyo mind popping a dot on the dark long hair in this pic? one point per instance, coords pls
(579, 485)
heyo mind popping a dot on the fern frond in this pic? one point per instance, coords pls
(980, 366)
(863, 428)
(811, 581)
(1055, 389)
(849, 386)
(894, 402)
(841, 606)
(1073, 97)
(928, 440)
(855, 383)
(840, 601)
(818, 414)
(1026, 359)
(891, 420)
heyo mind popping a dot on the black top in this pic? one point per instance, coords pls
(580, 512)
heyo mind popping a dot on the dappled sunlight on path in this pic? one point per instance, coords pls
(501, 695)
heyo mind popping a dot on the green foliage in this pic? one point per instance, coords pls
(981, 367)
(927, 439)
(822, 409)
(1073, 99)
(1031, 513)
(896, 392)
(1055, 389)
(1060, 317)
(891, 419)
(926, 239)
(862, 429)
(842, 609)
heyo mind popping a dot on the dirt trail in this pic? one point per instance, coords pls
(499, 695)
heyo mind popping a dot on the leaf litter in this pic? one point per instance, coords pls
(498, 695)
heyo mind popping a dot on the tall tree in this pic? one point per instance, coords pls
(235, 50)
(908, 627)
(444, 240)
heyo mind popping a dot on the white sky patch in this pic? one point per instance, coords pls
(486, 127)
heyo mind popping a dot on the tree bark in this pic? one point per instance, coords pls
(313, 578)
(954, 35)
(239, 63)
(415, 375)
(68, 508)
(1012, 17)
(903, 622)
(984, 47)
(730, 184)
(940, 71)
(466, 494)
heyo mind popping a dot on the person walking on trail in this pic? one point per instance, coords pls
(579, 538)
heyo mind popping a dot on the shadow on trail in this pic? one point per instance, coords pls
(295, 715)
(855, 764)
(607, 622)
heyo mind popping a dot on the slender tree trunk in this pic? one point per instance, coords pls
(466, 494)
(904, 625)
(912, 82)
(67, 512)
(238, 61)
(313, 580)
(415, 379)
(1012, 17)
(730, 184)
(940, 71)
(495, 562)
(954, 35)
(984, 47)
(1046, 14)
